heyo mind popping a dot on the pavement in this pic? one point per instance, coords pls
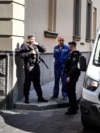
(43, 117)
(47, 93)
(45, 121)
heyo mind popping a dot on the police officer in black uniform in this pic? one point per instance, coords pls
(73, 73)
(30, 53)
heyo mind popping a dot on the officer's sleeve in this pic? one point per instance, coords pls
(41, 48)
(67, 64)
(66, 67)
(24, 53)
(74, 73)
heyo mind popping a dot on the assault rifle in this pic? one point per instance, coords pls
(43, 62)
(32, 48)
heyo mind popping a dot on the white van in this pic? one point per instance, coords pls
(90, 101)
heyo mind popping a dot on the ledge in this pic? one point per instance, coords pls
(76, 38)
(88, 40)
(50, 34)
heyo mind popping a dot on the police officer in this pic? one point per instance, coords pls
(30, 53)
(61, 51)
(73, 73)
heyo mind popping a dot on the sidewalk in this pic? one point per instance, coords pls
(47, 93)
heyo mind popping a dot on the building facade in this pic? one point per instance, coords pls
(76, 20)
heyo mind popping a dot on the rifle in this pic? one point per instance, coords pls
(43, 62)
(32, 48)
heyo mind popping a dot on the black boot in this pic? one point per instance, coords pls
(42, 100)
(71, 111)
(75, 108)
(26, 99)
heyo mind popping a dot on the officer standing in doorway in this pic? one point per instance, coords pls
(30, 53)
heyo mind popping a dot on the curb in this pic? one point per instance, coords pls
(41, 106)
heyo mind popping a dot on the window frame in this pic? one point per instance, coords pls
(94, 23)
(51, 32)
(89, 21)
(77, 20)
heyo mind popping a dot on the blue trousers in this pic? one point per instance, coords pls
(59, 78)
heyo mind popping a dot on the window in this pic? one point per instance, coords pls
(77, 19)
(52, 15)
(89, 20)
(52, 20)
(94, 22)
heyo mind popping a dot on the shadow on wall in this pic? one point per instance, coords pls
(18, 88)
(15, 92)
(47, 75)
(20, 76)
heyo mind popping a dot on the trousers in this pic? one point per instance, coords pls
(59, 77)
(34, 77)
(71, 92)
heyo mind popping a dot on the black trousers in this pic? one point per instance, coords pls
(34, 77)
(71, 93)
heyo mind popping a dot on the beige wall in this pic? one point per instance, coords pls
(36, 21)
(96, 5)
(11, 24)
(64, 21)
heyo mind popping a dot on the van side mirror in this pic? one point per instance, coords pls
(82, 63)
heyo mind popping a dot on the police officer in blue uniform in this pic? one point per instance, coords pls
(61, 51)
(73, 72)
(30, 54)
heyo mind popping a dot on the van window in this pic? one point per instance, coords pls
(96, 60)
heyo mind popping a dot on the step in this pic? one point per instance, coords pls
(35, 105)
(47, 93)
